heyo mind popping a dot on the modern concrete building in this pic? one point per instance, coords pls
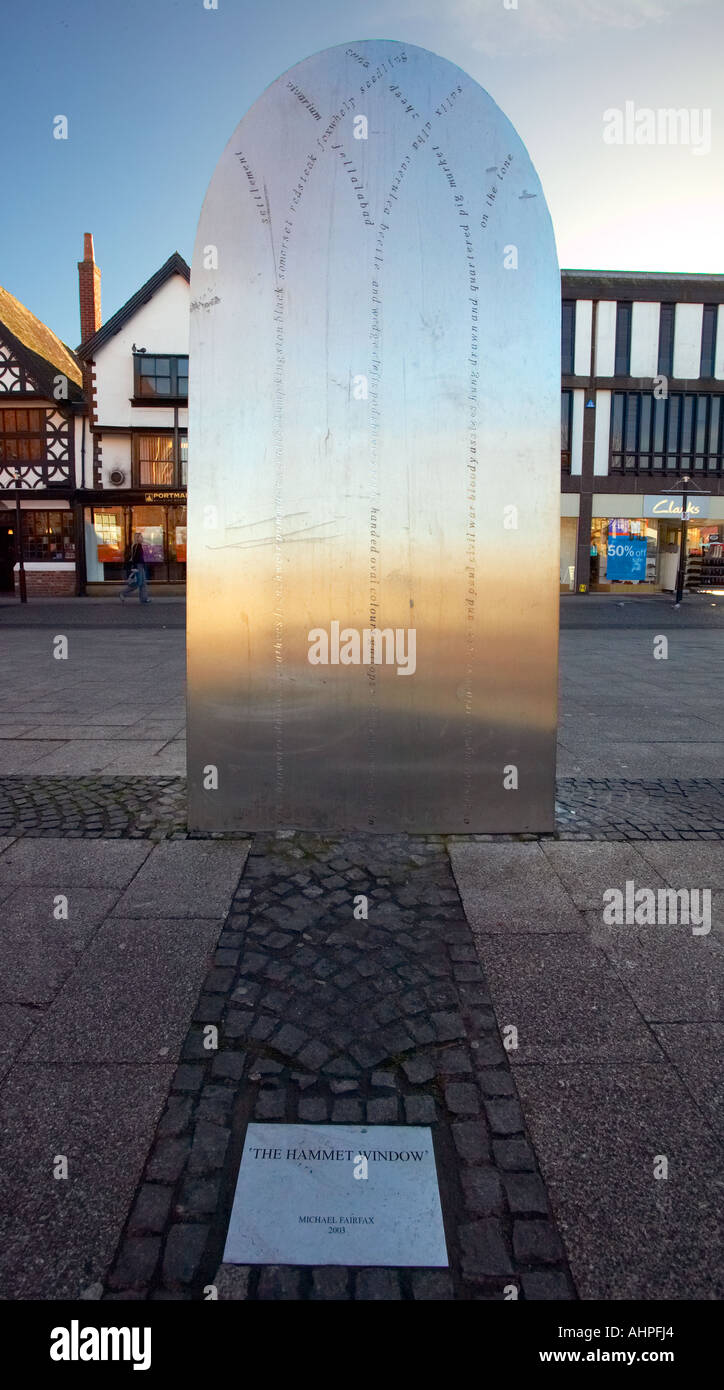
(642, 385)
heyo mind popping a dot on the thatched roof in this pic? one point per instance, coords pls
(37, 338)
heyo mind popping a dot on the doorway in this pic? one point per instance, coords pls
(7, 555)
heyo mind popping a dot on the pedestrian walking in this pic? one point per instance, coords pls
(137, 574)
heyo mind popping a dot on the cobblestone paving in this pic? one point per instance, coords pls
(94, 807)
(324, 1018)
(616, 809)
(155, 808)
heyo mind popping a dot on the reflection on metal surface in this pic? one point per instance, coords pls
(374, 449)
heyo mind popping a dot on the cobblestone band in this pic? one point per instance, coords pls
(325, 1018)
(155, 808)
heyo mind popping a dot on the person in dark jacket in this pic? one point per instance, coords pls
(137, 576)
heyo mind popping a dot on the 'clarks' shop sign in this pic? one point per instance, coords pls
(668, 506)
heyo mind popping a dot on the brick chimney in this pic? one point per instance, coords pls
(89, 282)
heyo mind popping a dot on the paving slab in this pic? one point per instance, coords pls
(57, 1236)
(148, 760)
(697, 1052)
(132, 998)
(512, 888)
(686, 865)
(95, 730)
(62, 863)
(37, 950)
(588, 869)
(191, 878)
(21, 755)
(598, 1131)
(81, 756)
(16, 1024)
(670, 974)
(638, 759)
(565, 999)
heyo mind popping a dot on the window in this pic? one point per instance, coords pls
(622, 363)
(566, 429)
(568, 335)
(160, 378)
(666, 339)
(22, 435)
(155, 460)
(155, 463)
(109, 535)
(708, 340)
(674, 434)
(48, 535)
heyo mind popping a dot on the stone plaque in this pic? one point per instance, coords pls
(374, 460)
(337, 1195)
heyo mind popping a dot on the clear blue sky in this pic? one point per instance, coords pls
(153, 89)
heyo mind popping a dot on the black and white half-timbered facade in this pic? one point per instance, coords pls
(93, 443)
(135, 370)
(41, 415)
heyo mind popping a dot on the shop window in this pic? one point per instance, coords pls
(110, 538)
(160, 378)
(177, 544)
(151, 523)
(633, 543)
(48, 536)
(110, 532)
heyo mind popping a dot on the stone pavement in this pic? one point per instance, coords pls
(546, 1150)
(326, 1018)
(620, 1045)
(94, 1011)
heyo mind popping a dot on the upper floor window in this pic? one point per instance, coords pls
(678, 432)
(666, 339)
(22, 435)
(155, 463)
(159, 378)
(622, 363)
(568, 335)
(708, 339)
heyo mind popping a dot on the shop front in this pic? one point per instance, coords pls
(641, 553)
(110, 530)
(624, 552)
